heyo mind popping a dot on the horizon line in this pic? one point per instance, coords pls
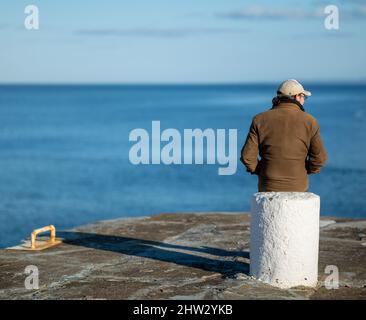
(218, 83)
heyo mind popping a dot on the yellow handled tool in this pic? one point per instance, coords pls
(36, 232)
(41, 243)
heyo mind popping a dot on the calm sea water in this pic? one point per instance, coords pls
(64, 152)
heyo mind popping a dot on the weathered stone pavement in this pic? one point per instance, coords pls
(176, 256)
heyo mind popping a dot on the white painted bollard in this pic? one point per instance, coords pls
(284, 238)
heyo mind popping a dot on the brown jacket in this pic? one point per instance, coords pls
(289, 144)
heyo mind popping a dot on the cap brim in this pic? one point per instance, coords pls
(307, 93)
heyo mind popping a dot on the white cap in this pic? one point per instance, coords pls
(292, 87)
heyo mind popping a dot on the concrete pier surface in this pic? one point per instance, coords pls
(177, 256)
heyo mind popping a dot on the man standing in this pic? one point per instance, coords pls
(287, 140)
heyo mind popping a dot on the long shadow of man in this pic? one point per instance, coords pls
(162, 251)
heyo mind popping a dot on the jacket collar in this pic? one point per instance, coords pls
(285, 102)
(288, 105)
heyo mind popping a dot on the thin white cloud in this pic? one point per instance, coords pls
(326, 35)
(261, 12)
(158, 32)
(265, 12)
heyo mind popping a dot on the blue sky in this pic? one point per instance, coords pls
(182, 41)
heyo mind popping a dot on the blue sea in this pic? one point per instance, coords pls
(64, 152)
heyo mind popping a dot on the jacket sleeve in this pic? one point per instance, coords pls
(317, 155)
(250, 150)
